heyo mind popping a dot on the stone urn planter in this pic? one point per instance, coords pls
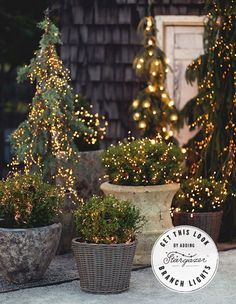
(25, 254)
(207, 221)
(154, 203)
(104, 268)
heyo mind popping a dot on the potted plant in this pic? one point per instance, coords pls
(105, 250)
(199, 202)
(28, 236)
(146, 172)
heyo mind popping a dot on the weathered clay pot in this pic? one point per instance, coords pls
(25, 254)
(66, 218)
(88, 177)
(89, 174)
(104, 268)
(154, 203)
(207, 221)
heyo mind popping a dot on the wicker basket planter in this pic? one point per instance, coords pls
(154, 202)
(104, 268)
(25, 254)
(207, 221)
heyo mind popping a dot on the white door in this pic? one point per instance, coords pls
(181, 39)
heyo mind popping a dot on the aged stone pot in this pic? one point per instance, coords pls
(89, 174)
(154, 203)
(88, 178)
(25, 254)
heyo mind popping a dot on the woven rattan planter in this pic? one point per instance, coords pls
(104, 268)
(207, 221)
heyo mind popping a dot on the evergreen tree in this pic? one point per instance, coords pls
(152, 109)
(213, 110)
(45, 142)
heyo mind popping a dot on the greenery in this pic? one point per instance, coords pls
(212, 111)
(153, 110)
(58, 121)
(143, 162)
(108, 220)
(27, 202)
(200, 195)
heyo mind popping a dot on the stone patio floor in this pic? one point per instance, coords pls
(144, 289)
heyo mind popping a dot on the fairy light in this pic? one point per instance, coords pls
(146, 104)
(135, 103)
(174, 117)
(136, 116)
(142, 124)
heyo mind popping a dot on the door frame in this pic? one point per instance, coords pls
(168, 20)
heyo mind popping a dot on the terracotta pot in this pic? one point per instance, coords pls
(104, 268)
(210, 222)
(25, 254)
(154, 203)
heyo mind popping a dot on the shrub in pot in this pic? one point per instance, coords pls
(28, 236)
(199, 202)
(146, 172)
(105, 250)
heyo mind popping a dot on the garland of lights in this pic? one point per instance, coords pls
(45, 142)
(153, 109)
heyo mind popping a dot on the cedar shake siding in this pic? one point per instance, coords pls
(99, 45)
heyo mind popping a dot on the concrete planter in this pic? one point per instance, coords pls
(25, 254)
(154, 203)
(104, 268)
(210, 222)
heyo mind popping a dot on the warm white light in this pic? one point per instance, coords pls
(164, 95)
(142, 125)
(173, 117)
(138, 66)
(135, 103)
(136, 116)
(150, 42)
(146, 104)
(151, 88)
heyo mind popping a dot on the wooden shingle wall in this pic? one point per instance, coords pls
(99, 45)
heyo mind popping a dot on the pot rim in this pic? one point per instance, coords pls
(29, 229)
(204, 213)
(150, 188)
(74, 241)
